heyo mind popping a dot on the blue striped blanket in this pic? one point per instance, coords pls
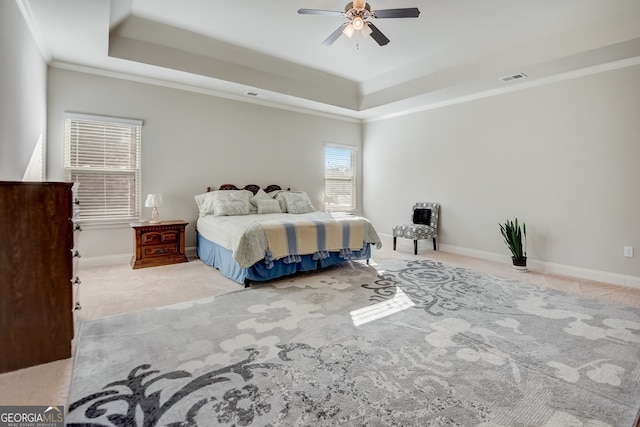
(288, 240)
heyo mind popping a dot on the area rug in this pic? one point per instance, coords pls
(408, 343)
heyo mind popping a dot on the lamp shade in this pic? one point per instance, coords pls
(357, 23)
(153, 200)
(348, 30)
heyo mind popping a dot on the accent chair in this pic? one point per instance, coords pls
(424, 225)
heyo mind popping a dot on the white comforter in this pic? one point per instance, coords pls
(245, 237)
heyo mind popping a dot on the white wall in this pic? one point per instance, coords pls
(564, 157)
(23, 77)
(191, 141)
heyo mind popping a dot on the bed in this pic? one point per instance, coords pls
(252, 234)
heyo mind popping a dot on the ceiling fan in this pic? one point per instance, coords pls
(358, 14)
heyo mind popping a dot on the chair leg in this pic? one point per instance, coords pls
(394, 242)
(434, 244)
(415, 247)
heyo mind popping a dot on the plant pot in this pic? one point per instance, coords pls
(519, 264)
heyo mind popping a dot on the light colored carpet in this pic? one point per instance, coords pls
(109, 291)
(399, 343)
(114, 290)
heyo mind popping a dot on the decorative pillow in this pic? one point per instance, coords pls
(231, 202)
(260, 195)
(422, 216)
(298, 202)
(278, 195)
(205, 202)
(267, 206)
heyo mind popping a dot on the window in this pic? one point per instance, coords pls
(102, 154)
(340, 177)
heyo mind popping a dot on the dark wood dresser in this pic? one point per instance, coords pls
(36, 270)
(158, 244)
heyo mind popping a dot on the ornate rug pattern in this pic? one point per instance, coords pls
(414, 343)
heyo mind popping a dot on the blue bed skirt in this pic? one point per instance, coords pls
(222, 259)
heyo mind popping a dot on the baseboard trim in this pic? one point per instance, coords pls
(545, 267)
(119, 259)
(542, 266)
(552, 268)
(104, 261)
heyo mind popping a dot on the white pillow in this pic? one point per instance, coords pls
(231, 202)
(298, 202)
(260, 195)
(278, 195)
(205, 203)
(267, 206)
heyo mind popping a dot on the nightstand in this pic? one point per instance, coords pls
(158, 244)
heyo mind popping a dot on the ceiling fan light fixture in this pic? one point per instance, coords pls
(359, 17)
(358, 23)
(348, 30)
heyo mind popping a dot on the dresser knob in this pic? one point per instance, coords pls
(76, 281)
(77, 228)
(77, 306)
(76, 254)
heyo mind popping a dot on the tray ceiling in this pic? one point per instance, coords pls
(455, 50)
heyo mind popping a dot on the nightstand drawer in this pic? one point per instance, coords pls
(154, 237)
(159, 250)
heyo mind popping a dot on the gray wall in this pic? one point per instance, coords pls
(563, 157)
(191, 141)
(23, 77)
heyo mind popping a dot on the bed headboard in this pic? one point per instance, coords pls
(251, 187)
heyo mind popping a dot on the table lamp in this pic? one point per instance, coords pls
(153, 201)
(328, 199)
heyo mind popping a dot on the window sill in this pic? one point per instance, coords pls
(91, 225)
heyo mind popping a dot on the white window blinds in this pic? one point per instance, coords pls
(102, 154)
(340, 177)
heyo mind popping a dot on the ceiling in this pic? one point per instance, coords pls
(455, 50)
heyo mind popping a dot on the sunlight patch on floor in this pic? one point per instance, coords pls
(382, 309)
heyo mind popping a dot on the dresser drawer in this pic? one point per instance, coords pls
(159, 250)
(156, 237)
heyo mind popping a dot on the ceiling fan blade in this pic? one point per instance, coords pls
(377, 35)
(320, 12)
(409, 12)
(334, 36)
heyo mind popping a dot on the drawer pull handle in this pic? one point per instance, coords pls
(76, 254)
(77, 306)
(76, 281)
(77, 228)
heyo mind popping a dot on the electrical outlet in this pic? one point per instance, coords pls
(628, 251)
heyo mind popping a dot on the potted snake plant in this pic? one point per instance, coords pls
(516, 239)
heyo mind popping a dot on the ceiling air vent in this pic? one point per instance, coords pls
(256, 94)
(514, 77)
